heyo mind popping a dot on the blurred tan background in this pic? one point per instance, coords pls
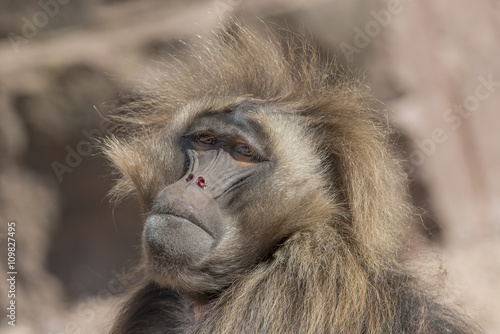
(435, 65)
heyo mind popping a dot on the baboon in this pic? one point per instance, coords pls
(273, 200)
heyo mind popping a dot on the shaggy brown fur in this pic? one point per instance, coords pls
(338, 273)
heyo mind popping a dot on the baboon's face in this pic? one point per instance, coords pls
(249, 178)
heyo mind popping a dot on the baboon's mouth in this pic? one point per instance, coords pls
(182, 220)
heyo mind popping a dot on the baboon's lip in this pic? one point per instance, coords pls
(184, 220)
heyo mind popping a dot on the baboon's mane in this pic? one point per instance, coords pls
(341, 277)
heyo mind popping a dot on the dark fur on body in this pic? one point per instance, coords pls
(338, 272)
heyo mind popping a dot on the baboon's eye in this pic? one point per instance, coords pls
(202, 141)
(206, 138)
(245, 155)
(245, 151)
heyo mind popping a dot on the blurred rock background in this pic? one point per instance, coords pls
(63, 63)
